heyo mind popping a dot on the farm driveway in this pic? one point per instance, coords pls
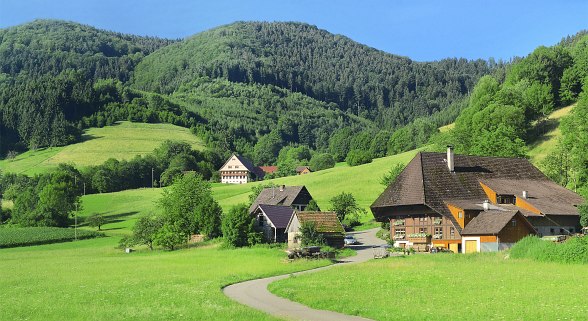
(254, 293)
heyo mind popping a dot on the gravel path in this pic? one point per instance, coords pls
(254, 293)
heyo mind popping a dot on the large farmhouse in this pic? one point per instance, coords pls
(239, 170)
(473, 203)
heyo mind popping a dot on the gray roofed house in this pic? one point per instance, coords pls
(450, 190)
(296, 197)
(272, 221)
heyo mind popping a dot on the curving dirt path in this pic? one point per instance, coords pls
(254, 293)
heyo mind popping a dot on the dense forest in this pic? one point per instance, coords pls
(48, 72)
(245, 87)
(505, 114)
(388, 89)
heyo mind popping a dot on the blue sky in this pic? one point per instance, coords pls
(421, 30)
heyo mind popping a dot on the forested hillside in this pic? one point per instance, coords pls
(48, 73)
(504, 116)
(388, 89)
(252, 88)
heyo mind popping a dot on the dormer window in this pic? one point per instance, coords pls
(505, 199)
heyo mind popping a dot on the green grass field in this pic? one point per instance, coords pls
(547, 143)
(362, 181)
(445, 287)
(90, 280)
(122, 141)
(123, 208)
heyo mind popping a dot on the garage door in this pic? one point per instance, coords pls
(471, 246)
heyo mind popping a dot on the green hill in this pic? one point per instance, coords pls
(122, 141)
(362, 181)
(389, 89)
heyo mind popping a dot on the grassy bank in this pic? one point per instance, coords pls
(122, 141)
(14, 237)
(90, 280)
(445, 287)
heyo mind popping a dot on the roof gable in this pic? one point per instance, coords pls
(279, 216)
(278, 196)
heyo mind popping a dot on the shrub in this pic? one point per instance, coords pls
(27, 236)
(319, 162)
(310, 236)
(574, 250)
(170, 237)
(237, 227)
(358, 157)
(145, 230)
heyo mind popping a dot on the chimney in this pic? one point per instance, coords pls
(486, 205)
(450, 158)
(282, 187)
(525, 194)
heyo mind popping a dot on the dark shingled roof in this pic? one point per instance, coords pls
(426, 180)
(326, 222)
(545, 195)
(279, 216)
(273, 196)
(489, 222)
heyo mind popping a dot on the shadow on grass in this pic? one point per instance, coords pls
(88, 137)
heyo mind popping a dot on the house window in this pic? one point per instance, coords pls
(460, 214)
(230, 166)
(423, 230)
(452, 232)
(571, 230)
(514, 222)
(561, 231)
(236, 166)
(438, 233)
(552, 230)
(260, 218)
(399, 233)
(505, 199)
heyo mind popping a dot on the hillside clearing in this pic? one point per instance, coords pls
(546, 143)
(122, 141)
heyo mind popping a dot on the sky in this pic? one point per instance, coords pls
(421, 30)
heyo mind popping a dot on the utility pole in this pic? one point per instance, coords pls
(151, 177)
(76, 214)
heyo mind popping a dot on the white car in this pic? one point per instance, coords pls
(350, 240)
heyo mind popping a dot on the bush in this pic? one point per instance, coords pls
(170, 237)
(27, 236)
(358, 157)
(574, 250)
(319, 162)
(310, 236)
(237, 227)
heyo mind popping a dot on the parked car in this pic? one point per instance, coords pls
(350, 240)
(440, 250)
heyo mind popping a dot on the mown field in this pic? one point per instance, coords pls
(91, 280)
(122, 141)
(446, 287)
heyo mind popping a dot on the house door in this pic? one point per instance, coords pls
(454, 247)
(471, 246)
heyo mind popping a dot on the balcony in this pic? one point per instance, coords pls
(398, 222)
(419, 238)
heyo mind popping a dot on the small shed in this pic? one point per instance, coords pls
(301, 170)
(495, 230)
(327, 223)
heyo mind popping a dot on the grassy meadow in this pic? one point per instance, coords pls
(91, 280)
(123, 208)
(547, 143)
(124, 140)
(445, 287)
